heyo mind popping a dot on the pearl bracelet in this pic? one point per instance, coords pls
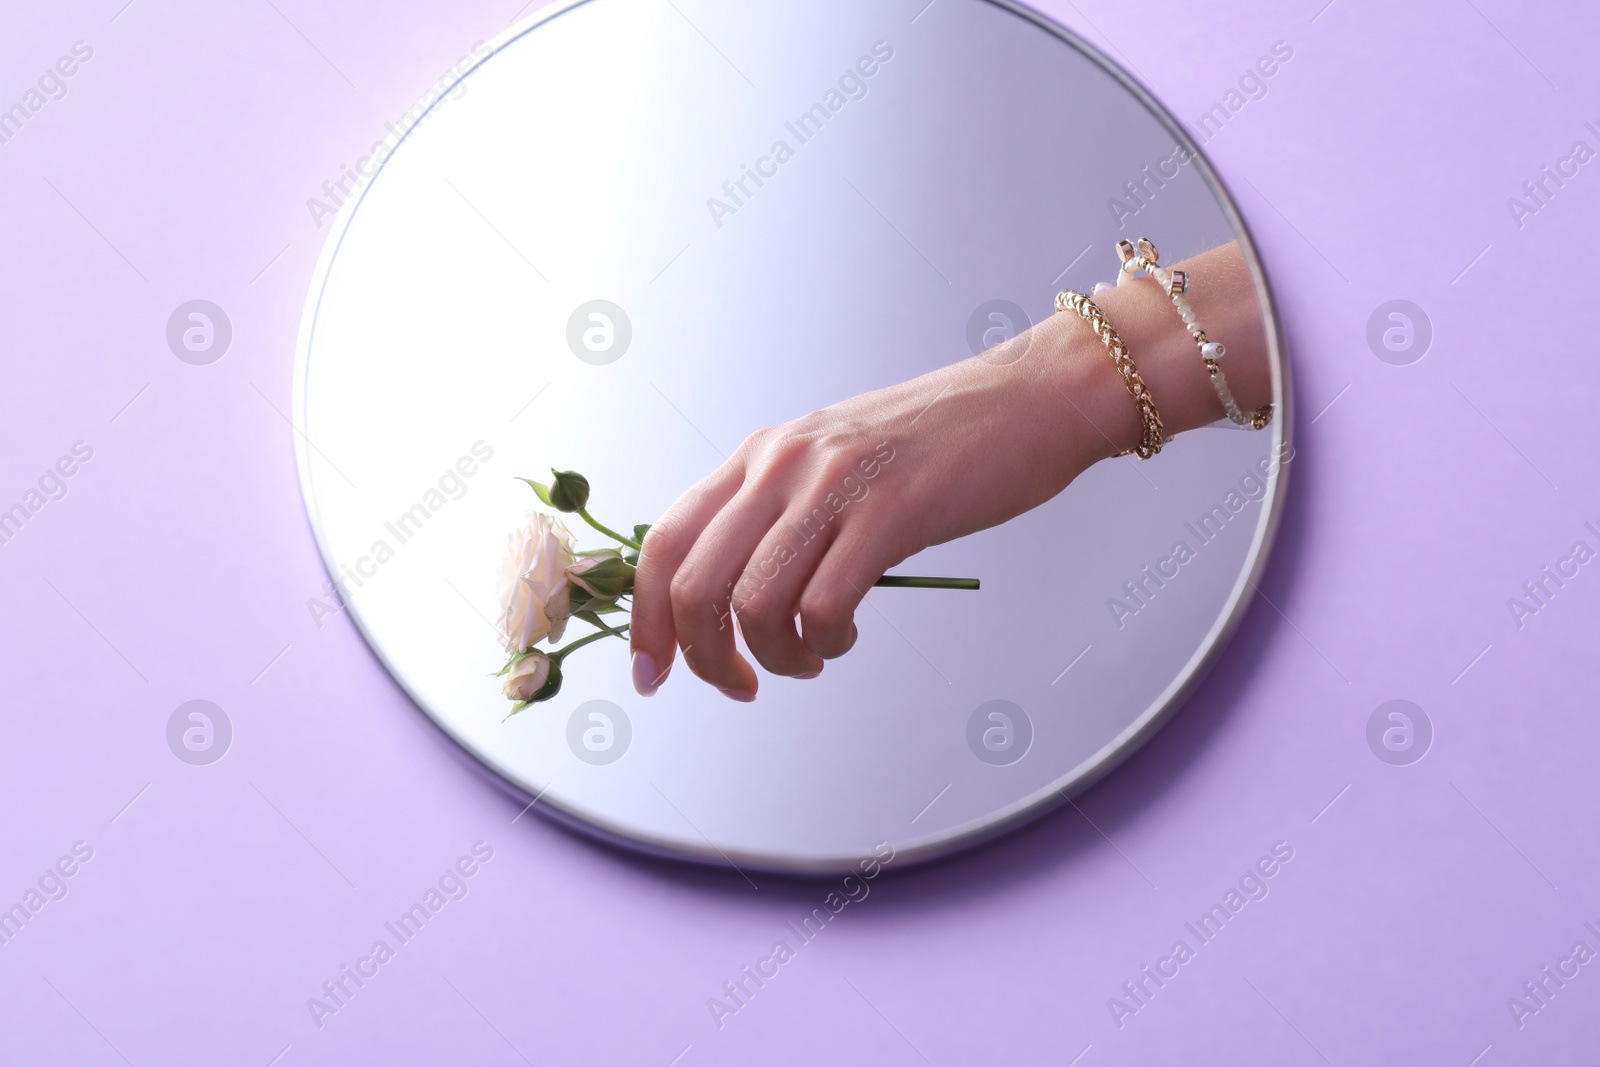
(1175, 283)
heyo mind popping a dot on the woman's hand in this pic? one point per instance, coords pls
(806, 516)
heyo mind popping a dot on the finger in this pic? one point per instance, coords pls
(766, 597)
(702, 591)
(854, 561)
(652, 635)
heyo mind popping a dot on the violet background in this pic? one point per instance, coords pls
(178, 567)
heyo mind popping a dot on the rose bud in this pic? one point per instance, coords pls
(568, 492)
(533, 678)
(603, 576)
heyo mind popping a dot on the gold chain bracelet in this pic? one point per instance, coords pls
(1086, 309)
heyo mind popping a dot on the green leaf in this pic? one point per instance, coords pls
(593, 619)
(541, 491)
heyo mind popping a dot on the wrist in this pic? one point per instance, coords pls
(1081, 393)
(1222, 295)
(1164, 353)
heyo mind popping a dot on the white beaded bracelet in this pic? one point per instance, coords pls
(1175, 283)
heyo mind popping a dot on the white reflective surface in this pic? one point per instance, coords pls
(576, 164)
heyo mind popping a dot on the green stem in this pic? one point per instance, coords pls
(561, 653)
(590, 519)
(912, 581)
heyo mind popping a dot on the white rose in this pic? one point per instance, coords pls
(535, 597)
(528, 676)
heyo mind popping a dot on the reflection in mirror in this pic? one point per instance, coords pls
(742, 392)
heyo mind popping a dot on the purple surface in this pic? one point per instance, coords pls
(219, 898)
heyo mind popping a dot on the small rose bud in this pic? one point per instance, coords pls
(604, 577)
(533, 678)
(569, 491)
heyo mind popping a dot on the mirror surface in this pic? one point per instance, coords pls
(585, 160)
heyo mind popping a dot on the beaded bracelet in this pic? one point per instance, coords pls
(1175, 283)
(1154, 434)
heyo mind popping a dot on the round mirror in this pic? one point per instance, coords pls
(634, 233)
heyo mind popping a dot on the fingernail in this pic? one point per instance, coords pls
(646, 674)
(809, 674)
(744, 696)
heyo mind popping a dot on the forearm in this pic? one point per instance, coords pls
(960, 449)
(1061, 406)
